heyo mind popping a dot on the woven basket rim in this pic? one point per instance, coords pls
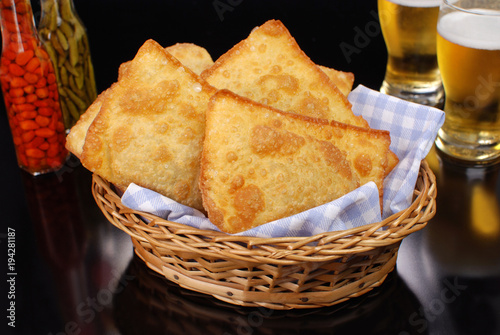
(312, 248)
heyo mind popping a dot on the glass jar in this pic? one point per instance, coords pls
(65, 39)
(30, 91)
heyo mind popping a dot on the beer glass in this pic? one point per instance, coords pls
(409, 29)
(468, 50)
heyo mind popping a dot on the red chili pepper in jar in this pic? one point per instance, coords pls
(30, 91)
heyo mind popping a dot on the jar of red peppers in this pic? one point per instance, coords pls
(30, 91)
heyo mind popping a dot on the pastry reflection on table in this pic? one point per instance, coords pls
(71, 248)
(150, 304)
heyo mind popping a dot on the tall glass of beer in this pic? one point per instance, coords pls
(409, 29)
(468, 50)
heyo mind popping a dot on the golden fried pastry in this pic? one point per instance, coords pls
(260, 165)
(367, 150)
(392, 161)
(268, 135)
(122, 69)
(343, 80)
(269, 67)
(150, 127)
(76, 136)
(192, 56)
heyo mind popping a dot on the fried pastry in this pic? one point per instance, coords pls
(76, 136)
(269, 67)
(343, 80)
(150, 127)
(367, 150)
(192, 56)
(259, 164)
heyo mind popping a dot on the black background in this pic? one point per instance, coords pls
(341, 34)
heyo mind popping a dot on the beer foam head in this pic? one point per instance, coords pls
(471, 30)
(417, 3)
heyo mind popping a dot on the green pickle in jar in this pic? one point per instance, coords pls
(65, 39)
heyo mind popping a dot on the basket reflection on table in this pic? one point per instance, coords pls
(152, 304)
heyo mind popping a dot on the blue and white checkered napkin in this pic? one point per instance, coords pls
(413, 129)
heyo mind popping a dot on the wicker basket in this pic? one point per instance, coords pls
(276, 273)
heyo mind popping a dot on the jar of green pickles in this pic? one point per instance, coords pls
(65, 39)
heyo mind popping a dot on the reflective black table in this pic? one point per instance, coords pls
(72, 272)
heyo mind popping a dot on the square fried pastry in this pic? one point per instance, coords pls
(259, 164)
(269, 67)
(150, 127)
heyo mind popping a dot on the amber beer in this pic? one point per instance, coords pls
(409, 29)
(469, 59)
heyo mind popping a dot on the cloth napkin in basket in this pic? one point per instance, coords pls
(413, 128)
